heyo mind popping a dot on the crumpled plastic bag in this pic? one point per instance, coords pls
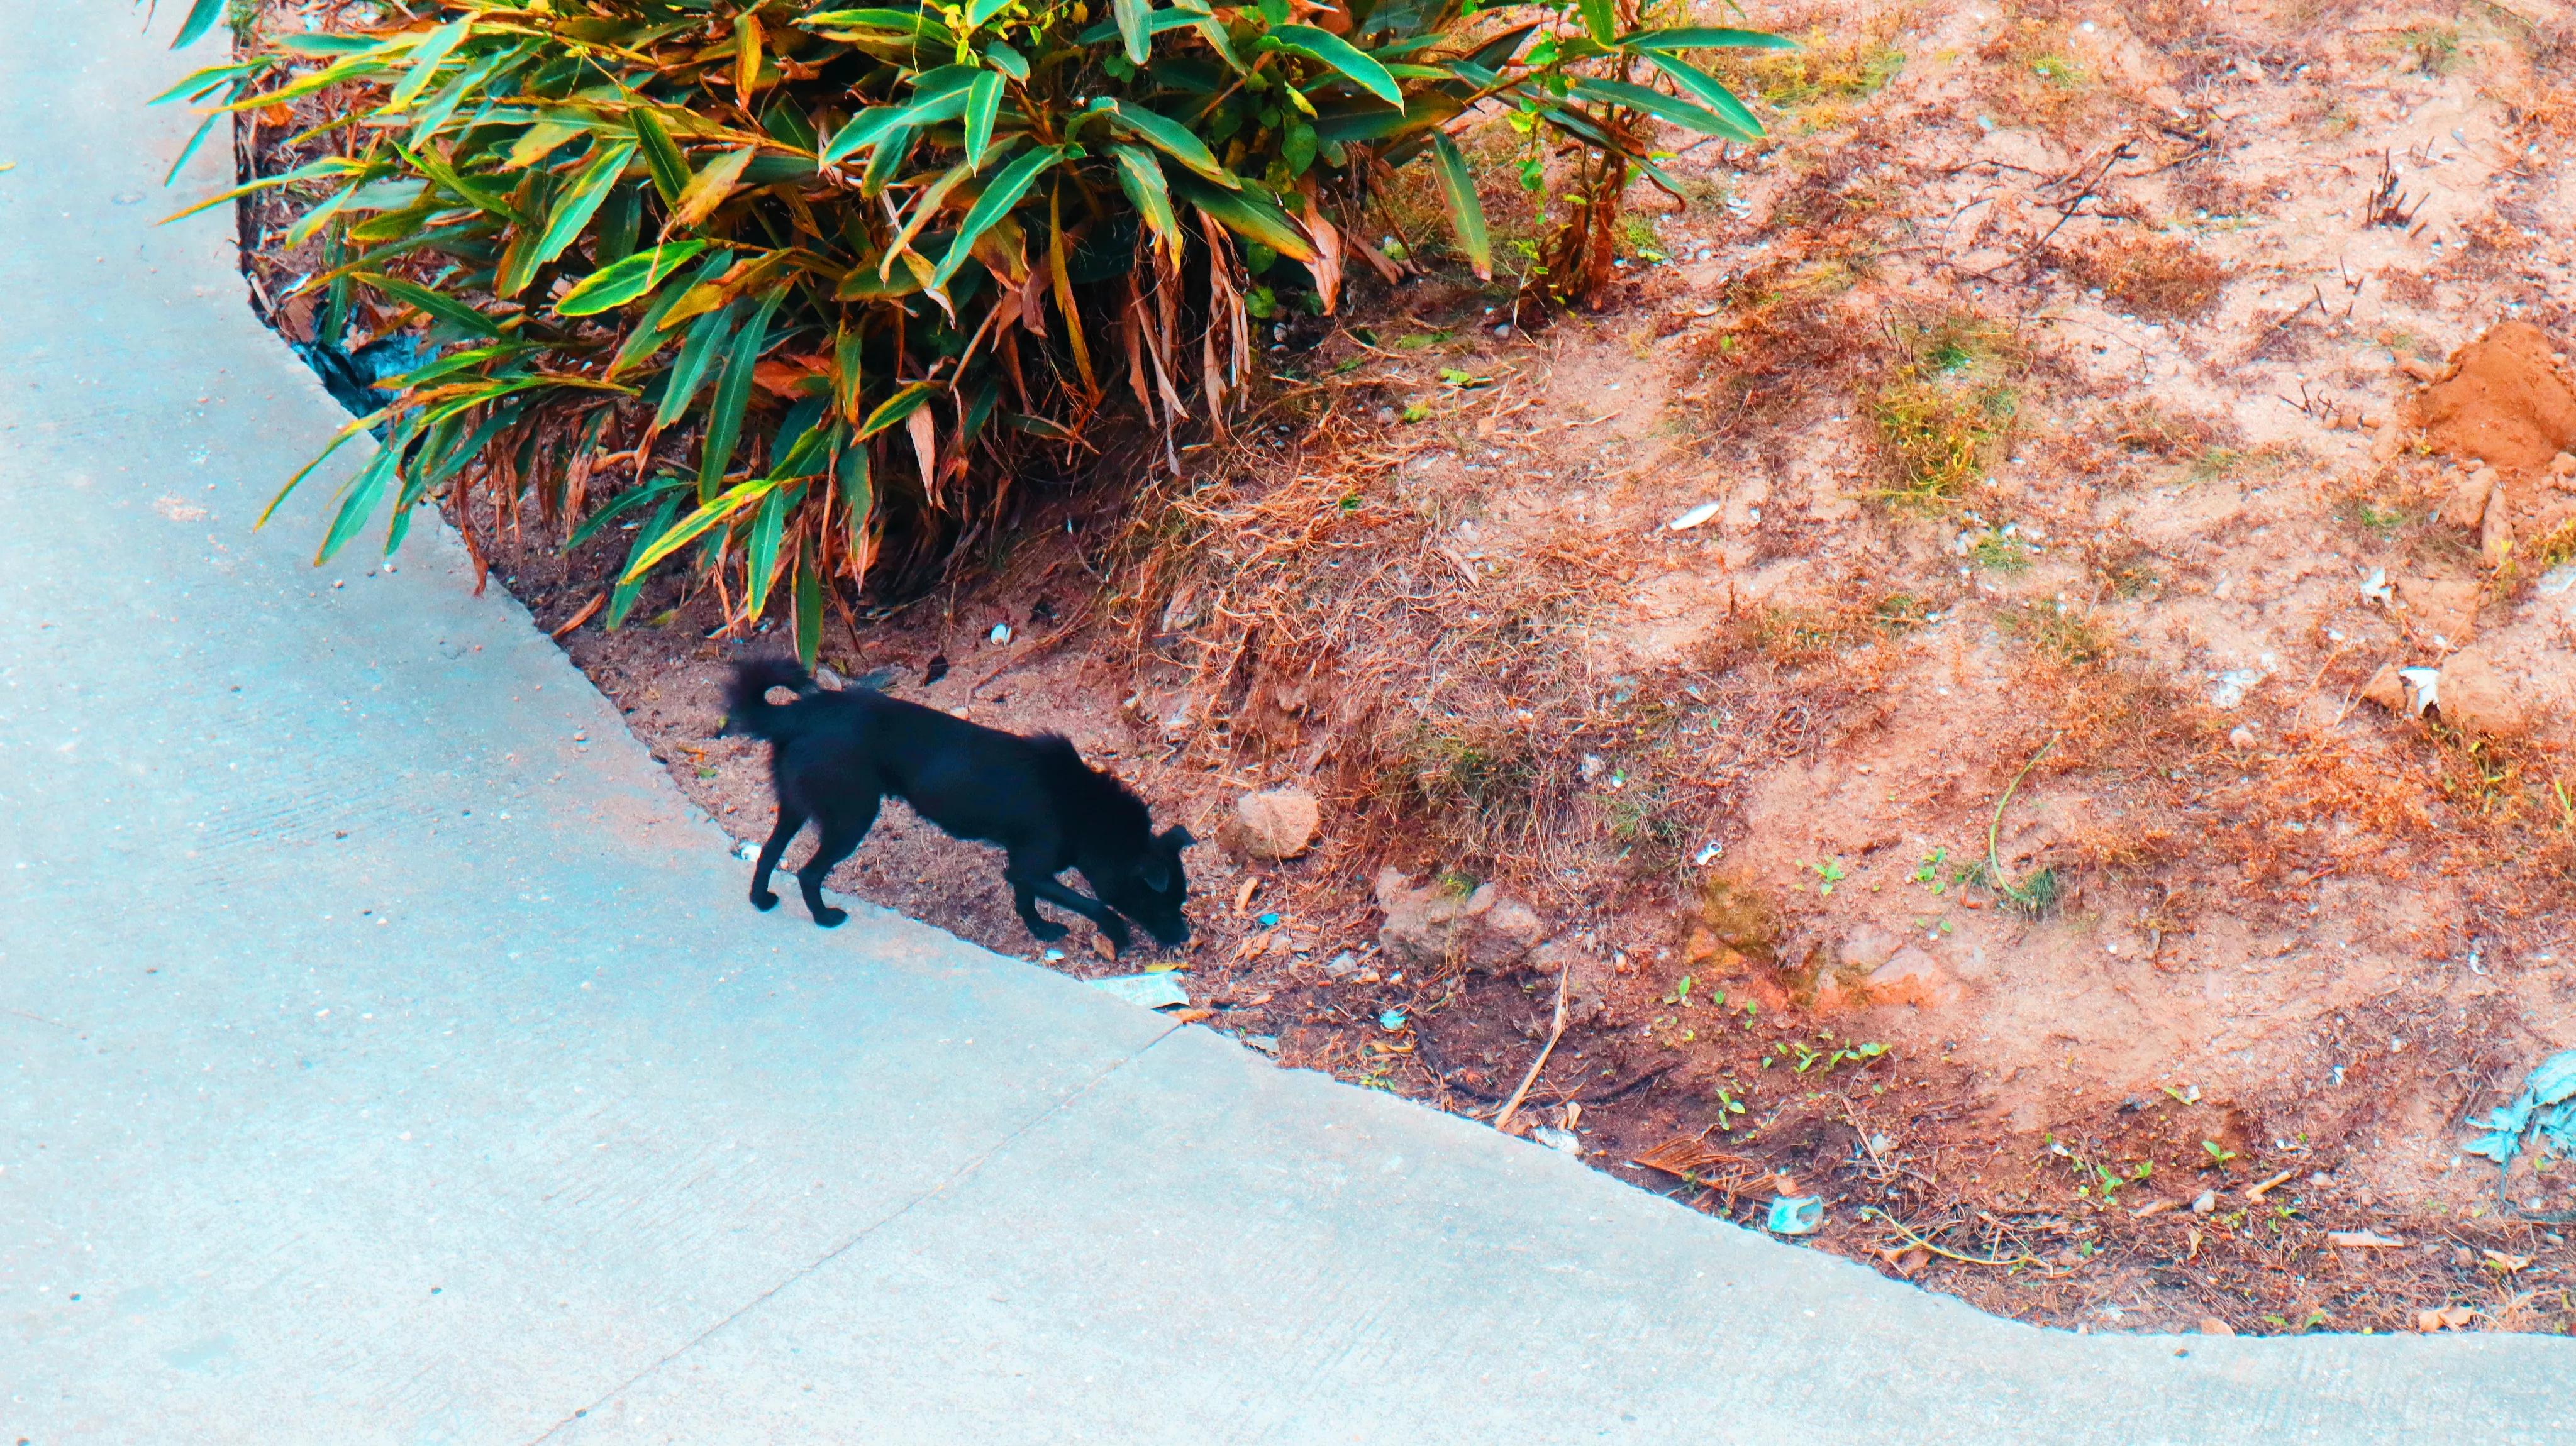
(2549, 1094)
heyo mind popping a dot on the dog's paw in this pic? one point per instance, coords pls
(830, 918)
(1047, 931)
(764, 901)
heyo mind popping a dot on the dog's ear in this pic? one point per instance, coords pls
(1156, 872)
(1175, 839)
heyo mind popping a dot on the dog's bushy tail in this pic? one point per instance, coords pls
(747, 706)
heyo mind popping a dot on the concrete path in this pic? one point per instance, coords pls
(387, 1054)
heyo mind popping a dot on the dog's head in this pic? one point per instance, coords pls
(1153, 889)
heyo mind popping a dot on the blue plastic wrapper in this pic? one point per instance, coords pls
(2548, 1098)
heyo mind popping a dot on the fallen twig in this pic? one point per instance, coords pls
(1555, 1032)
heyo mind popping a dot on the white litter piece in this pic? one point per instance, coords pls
(2558, 579)
(1001, 634)
(1696, 516)
(746, 850)
(2227, 690)
(2423, 688)
(2375, 588)
(1708, 852)
(1150, 991)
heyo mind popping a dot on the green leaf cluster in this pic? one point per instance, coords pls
(821, 278)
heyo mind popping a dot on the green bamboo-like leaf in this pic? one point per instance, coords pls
(983, 107)
(709, 187)
(457, 361)
(809, 605)
(690, 528)
(647, 337)
(358, 499)
(865, 129)
(1701, 37)
(1168, 136)
(733, 397)
(472, 191)
(438, 304)
(1600, 18)
(1006, 59)
(353, 68)
(894, 409)
(1155, 24)
(760, 551)
(630, 583)
(1355, 64)
(309, 171)
(197, 84)
(189, 150)
(1249, 217)
(705, 341)
(1135, 28)
(616, 284)
(662, 158)
(581, 200)
(1141, 177)
(1466, 210)
(1654, 103)
(979, 11)
(451, 96)
(895, 22)
(626, 502)
(995, 203)
(201, 18)
(848, 360)
(858, 492)
(1709, 91)
(426, 58)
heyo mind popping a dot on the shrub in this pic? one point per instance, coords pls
(866, 263)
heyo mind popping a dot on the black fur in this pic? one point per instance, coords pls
(833, 757)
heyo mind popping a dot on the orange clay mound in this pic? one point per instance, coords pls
(2502, 400)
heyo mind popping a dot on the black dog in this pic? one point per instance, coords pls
(834, 756)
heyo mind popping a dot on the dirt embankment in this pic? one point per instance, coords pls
(2012, 680)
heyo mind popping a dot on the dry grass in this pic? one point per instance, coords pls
(1945, 408)
(2160, 277)
(1316, 608)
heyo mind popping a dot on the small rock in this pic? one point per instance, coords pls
(2386, 689)
(2473, 695)
(1503, 933)
(1913, 977)
(1342, 965)
(2205, 1202)
(1277, 823)
(2240, 736)
(2211, 1325)
(1420, 923)
(2467, 504)
(2443, 611)
(2495, 528)
(1556, 1139)
(1867, 947)
(1429, 926)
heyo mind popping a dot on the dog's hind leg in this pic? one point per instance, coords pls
(789, 821)
(839, 839)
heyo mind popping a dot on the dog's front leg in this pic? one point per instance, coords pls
(1024, 900)
(1055, 892)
